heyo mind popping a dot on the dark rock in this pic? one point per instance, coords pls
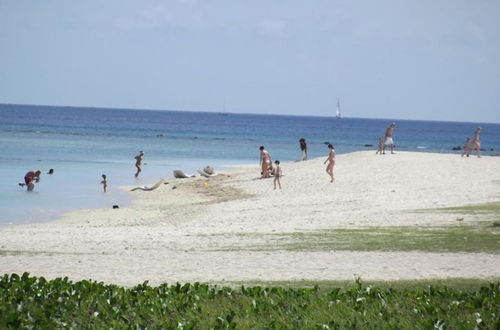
(368, 145)
(116, 207)
(457, 148)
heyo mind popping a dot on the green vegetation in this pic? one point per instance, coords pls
(463, 284)
(480, 238)
(31, 302)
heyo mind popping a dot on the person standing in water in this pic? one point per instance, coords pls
(388, 138)
(476, 144)
(104, 182)
(303, 148)
(30, 178)
(265, 162)
(331, 161)
(277, 174)
(138, 162)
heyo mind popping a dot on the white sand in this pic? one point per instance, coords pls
(226, 228)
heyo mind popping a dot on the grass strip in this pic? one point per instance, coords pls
(473, 209)
(480, 238)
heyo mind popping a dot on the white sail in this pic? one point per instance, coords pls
(338, 115)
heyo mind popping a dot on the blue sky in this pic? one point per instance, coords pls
(426, 59)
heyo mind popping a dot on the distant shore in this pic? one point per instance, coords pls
(235, 227)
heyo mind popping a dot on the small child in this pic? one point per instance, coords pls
(277, 174)
(104, 182)
(467, 147)
(381, 142)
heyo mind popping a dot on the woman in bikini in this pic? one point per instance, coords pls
(331, 161)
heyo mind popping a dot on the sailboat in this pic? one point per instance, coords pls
(338, 115)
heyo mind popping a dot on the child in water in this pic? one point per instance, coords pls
(277, 174)
(104, 182)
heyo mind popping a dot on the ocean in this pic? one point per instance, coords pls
(82, 143)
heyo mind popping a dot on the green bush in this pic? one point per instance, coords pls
(33, 302)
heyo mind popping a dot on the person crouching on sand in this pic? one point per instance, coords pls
(331, 161)
(104, 182)
(138, 162)
(277, 174)
(265, 162)
(467, 147)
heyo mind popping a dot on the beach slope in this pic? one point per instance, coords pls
(386, 217)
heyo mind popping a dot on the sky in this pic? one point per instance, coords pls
(425, 59)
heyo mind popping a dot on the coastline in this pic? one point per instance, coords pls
(233, 228)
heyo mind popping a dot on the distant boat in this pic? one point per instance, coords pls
(338, 115)
(224, 113)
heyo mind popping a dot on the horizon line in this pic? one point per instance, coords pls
(241, 113)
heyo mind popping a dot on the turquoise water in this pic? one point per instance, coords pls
(80, 144)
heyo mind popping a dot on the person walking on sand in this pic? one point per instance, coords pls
(104, 182)
(466, 147)
(138, 162)
(476, 144)
(277, 174)
(331, 161)
(388, 138)
(265, 163)
(303, 148)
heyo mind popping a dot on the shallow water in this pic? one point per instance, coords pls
(83, 143)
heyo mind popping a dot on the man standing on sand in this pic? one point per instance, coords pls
(138, 162)
(388, 138)
(331, 161)
(476, 144)
(303, 148)
(265, 162)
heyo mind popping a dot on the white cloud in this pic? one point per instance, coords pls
(183, 14)
(272, 28)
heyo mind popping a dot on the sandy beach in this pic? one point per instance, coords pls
(232, 227)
